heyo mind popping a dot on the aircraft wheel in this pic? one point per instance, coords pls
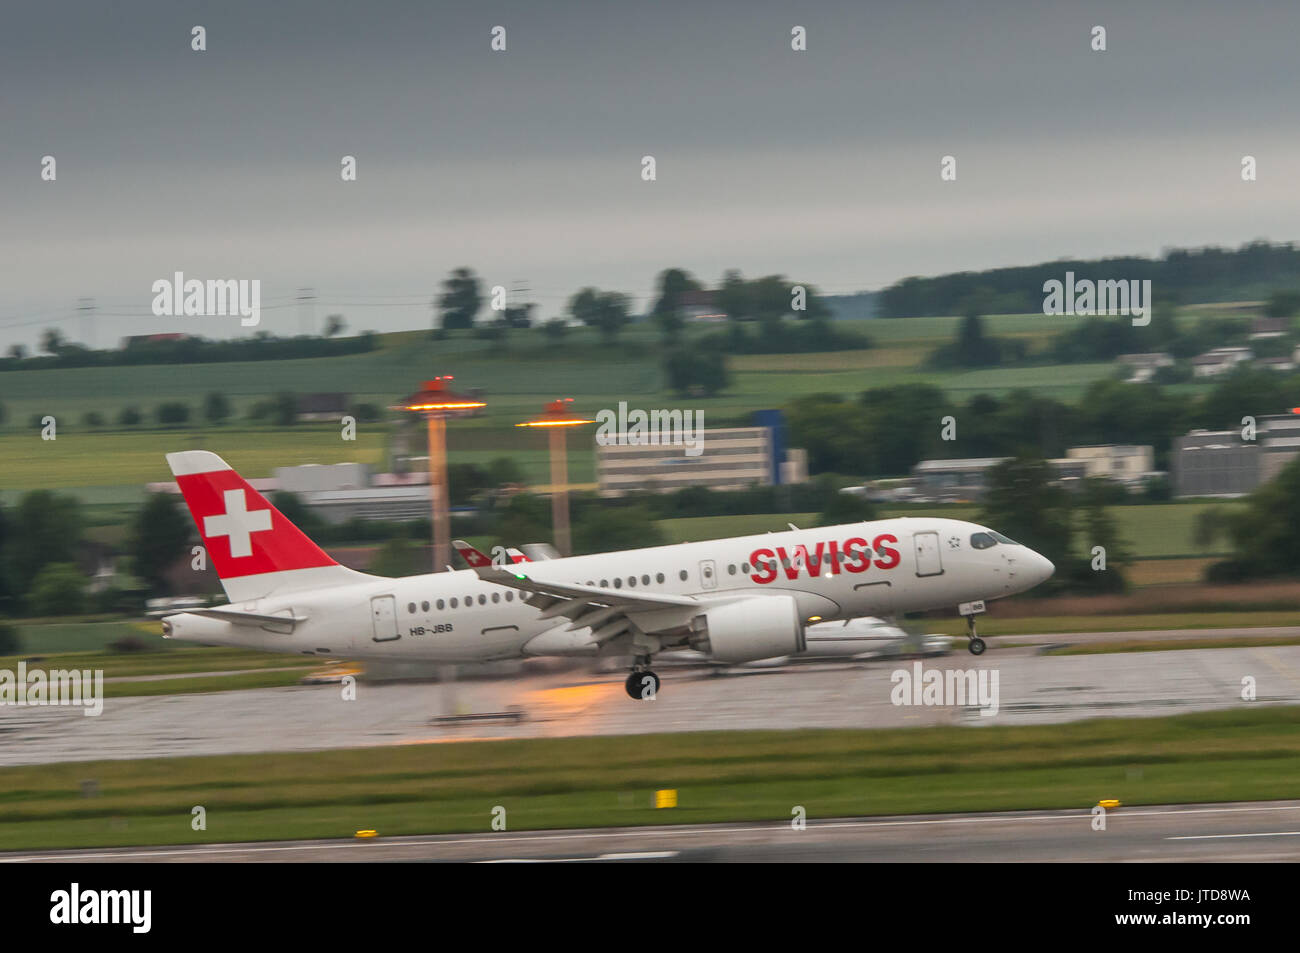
(977, 646)
(642, 686)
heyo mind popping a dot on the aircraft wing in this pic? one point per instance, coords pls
(607, 612)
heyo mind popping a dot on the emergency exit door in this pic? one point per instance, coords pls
(928, 560)
(383, 618)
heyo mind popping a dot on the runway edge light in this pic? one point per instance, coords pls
(367, 834)
(666, 798)
(1108, 803)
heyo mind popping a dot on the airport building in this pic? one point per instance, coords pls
(1222, 463)
(730, 458)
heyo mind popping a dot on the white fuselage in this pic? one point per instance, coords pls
(912, 564)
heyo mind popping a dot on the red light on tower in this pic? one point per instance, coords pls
(557, 418)
(436, 401)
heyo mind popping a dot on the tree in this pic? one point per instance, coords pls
(93, 419)
(46, 528)
(608, 529)
(555, 329)
(696, 373)
(334, 324)
(604, 310)
(216, 408)
(1023, 503)
(173, 413)
(673, 284)
(460, 300)
(846, 508)
(52, 341)
(518, 315)
(1282, 304)
(129, 417)
(1263, 532)
(283, 409)
(58, 589)
(17, 352)
(160, 535)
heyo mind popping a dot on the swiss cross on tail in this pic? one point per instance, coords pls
(474, 558)
(244, 534)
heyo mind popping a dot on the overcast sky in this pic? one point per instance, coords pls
(525, 165)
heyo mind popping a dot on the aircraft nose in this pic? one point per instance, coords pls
(1040, 568)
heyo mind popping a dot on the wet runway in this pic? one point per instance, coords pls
(1032, 689)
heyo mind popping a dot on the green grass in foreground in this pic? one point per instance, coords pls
(1245, 754)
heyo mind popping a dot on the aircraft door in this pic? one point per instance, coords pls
(383, 618)
(708, 575)
(929, 562)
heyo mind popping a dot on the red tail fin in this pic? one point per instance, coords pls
(254, 547)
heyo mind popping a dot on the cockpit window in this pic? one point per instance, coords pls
(1002, 539)
(982, 540)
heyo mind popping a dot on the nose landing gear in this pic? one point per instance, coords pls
(976, 644)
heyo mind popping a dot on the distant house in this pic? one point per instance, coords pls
(700, 306)
(1220, 360)
(1268, 328)
(1276, 363)
(1142, 367)
(1125, 464)
(329, 406)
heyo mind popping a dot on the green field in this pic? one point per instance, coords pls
(550, 783)
(518, 379)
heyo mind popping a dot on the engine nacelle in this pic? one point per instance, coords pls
(750, 629)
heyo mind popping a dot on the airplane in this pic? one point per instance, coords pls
(735, 600)
(865, 637)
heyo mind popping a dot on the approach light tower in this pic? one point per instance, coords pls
(557, 418)
(435, 402)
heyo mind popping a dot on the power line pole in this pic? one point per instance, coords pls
(307, 311)
(86, 311)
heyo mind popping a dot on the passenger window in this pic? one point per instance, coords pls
(411, 608)
(441, 604)
(982, 541)
(618, 583)
(659, 577)
(454, 603)
(645, 580)
(510, 596)
(682, 575)
(631, 580)
(496, 597)
(482, 599)
(604, 584)
(424, 606)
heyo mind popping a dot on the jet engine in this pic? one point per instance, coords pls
(750, 629)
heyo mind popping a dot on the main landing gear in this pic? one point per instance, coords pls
(642, 684)
(976, 644)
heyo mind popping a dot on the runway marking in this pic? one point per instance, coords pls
(526, 837)
(1222, 836)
